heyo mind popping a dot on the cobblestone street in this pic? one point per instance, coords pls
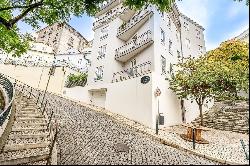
(88, 137)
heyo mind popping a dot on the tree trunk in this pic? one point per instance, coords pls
(201, 116)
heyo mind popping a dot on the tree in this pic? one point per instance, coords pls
(34, 12)
(218, 74)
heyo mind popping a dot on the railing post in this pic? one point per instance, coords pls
(38, 98)
(44, 107)
(193, 132)
(50, 120)
(22, 88)
(244, 148)
(30, 92)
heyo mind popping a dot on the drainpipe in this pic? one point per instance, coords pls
(181, 44)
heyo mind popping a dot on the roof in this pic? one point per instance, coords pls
(65, 25)
(192, 21)
(243, 34)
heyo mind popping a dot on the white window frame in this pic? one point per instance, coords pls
(163, 65)
(99, 73)
(102, 51)
(198, 34)
(170, 47)
(188, 43)
(163, 36)
(186, 26)
(200, 48)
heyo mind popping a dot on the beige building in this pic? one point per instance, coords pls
(52, 48)
(62, 38)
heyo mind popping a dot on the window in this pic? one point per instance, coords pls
(99, 73)
(178, 54)
(70, 42)
(162, 37)
(186, 26)
(171, 68)
(170, 47)
(169, 22)
(200, 49)
(104, 34)
(198, 34)
(163, 65)
(162, 15)
(133, 62)
(102, 51)
(187, 43)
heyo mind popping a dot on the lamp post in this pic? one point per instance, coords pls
(157, 94)
(50, 73)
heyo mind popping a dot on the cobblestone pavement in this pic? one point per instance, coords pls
(88, 137)
(224, 145)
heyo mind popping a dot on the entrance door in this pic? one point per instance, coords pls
(98, 98)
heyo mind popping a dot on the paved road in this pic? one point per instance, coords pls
(87, 137)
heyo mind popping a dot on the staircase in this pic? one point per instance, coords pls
(226, 117)
(28, 142)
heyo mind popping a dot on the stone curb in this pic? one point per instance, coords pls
(116, 117)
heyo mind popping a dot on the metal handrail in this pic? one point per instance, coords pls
(31, 92)
(9, 87)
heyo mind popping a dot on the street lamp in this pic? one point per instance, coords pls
(50, 73)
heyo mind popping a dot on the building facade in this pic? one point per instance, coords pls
(133, 53)
(244, 36)
(62, 38)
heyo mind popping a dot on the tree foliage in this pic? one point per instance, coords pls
(218, 74)
(34, 12)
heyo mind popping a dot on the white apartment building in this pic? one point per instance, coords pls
(132, 54)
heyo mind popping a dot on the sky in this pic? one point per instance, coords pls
(222, 20)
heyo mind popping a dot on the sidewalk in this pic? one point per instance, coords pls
(224, 146)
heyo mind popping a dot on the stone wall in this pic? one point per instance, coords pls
(228, 117)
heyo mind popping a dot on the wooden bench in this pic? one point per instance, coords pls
(198, 131)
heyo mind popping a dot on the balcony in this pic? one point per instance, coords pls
(108, 17)
(126, 14)
(106, 7)
(137, 71)
(134, 47)
(127, 30)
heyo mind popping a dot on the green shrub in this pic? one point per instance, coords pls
(76, 80)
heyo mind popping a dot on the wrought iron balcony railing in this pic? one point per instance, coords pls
(134, 47)
(137, 71)
(107, 5)
(127, 30)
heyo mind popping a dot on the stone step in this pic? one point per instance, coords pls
(24, 156)
(29, 132)
(30, 115)
(29, 108)
(24, 123)
(15, 147)
(30, 119)
(27, 140)
(28, 128)
(24, 113)
(16, 136)
(29, 125)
